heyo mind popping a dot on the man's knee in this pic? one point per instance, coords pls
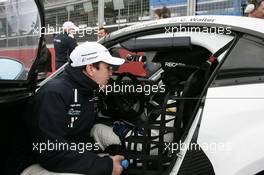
(36, 169)
(97, 129)
(104, 135)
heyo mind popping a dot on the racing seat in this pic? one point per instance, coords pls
(185, 75)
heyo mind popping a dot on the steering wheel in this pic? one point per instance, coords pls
(125, 105)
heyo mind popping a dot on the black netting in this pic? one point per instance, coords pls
(184, 77)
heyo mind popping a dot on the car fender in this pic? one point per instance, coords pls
(233, 123)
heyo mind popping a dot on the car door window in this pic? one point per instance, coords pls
(212, 42)
(19, 36)
(245, 60)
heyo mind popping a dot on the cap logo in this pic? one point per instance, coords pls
(88, 58)
(89, 54)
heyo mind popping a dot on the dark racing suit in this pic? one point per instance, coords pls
(64, 113)
(63, 45)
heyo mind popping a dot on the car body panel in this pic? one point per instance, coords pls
(254, 26)
(233, 123)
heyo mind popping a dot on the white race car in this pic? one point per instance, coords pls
(209, 71)
(213, 69)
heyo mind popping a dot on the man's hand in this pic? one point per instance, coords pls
(117, 168)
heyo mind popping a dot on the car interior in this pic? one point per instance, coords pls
(163, 117)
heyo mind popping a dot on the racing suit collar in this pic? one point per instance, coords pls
(80, 78)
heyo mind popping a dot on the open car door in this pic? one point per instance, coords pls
(21, 24)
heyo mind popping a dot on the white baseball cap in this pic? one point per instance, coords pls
(69, 25)
(253, 4)
(92, 52)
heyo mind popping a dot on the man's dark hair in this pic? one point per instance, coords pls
(163, 13)
(158, 12)
(105, 30)
(255, 2)
(96, 65)
(166, 12)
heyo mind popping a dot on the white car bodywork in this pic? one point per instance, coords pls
(231, 22)
(233, 118)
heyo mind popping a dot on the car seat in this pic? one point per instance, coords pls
(185, 75)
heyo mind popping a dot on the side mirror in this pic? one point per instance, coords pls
(11, 69)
